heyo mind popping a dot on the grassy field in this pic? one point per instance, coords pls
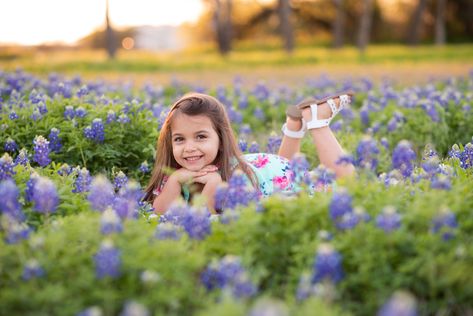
(205, 66)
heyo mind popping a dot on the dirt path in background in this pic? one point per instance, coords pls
(403, 74)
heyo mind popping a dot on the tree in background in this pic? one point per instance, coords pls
(338, 28)
(440, 36)
(415, 23)
(364, 28)
(285, 25)
(222, 21)
(110, 35)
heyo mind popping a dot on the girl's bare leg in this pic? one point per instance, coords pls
(290, 146)
(326, 144)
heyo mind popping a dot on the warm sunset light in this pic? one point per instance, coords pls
(31, 22)
(128, 43)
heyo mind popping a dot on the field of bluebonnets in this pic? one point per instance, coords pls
(76, 238)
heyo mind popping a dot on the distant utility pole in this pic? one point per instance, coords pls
(109, 35)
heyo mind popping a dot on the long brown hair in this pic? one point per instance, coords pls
(198, 104)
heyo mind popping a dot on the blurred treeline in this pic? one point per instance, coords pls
(332, 22)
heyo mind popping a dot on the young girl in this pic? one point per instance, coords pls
(197, 149)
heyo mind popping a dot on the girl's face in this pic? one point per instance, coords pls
(195, 143)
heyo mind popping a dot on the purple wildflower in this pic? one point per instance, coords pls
(80, 112)
(144, 167)
(36, 115)
(6, 167)
(400, 304)
(441, 182)
(300, 169)
(83, 180)
(389, 219)
(403, 157)
(168, 231)
(15, 230)
(466, 156)
(22, 158)
(69, 112)
(274, 141)
(445, 223)
(340, 204)
(123, 119)
(101, 193)
(110, 222)
(54, 140)
(83, 91)
(243, 145)
(328, 265)
(197, 223)
(45, 197)
(245, 130)
(322, 176)
(41, 151)
(107, 260)
(32, 270)
(304, 288)
(9, 202)
(41, 106)
(13, 116)
(366, 153)
(111, 117)
(254, 148)
(10, 145)
(65, 170)
(238, 192)
(120, 180)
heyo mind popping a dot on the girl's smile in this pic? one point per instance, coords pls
(195, 142)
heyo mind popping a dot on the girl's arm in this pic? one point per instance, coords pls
(212, 181)
(171, 190)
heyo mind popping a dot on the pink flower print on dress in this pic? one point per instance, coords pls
(260, 161)
(281, 182)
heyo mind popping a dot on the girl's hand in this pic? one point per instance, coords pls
(184, 175)
(210, 177)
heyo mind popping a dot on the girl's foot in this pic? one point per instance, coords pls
(319, 113)
(295, 126)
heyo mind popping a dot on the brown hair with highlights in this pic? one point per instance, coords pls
(198, 104)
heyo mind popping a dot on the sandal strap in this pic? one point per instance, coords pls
(344, 101)
(333, 107)
(294, 134)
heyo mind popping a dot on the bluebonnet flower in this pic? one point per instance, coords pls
(196, 223)
(111, 117)
(15, 230)
(110, 222)
(54, 140)
(243, 102)
(41, 106)
(95, 132)
(261, 91)
(366, 153)
(80, 112)
(125, 207)
(238, 192)
(168, 230)
(13, 116)
(234, 116)
(36, 115)
(441, 182)
(254, 148)
(10, 145)
(41, 151)
(83, 91)
(65, 170)
(445, 223)
(144, 167)
(133, 308)
(399, 304)
(328, 265)
(245, 130)
(120, 180)
(466, 156)
(300, 169)
(259, 114)
(352, 219)
(107, 260)
(69, 112)
(123, 119)
(175, 214)
(322, 176)
(32, 270)
(431, 110)
(243, 145)
(6, 167)
(9, 202)
(101, 193)
(403, 158)
(274, 141)
(22, 158)
(389, 219)
(304, 287)
(45, 197)
(83, 180)
(384, 142)
(36, 97)
(228, 273)
(340, 204)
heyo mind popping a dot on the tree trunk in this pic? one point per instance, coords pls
(285, 25)
(416, 23)
(109, 35)
(338, 27)
(365, 25)
(223, 25)
(440, 23)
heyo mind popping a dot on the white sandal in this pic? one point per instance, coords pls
(318, 123)
(294, 134)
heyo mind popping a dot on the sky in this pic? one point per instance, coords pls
(32, 22)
